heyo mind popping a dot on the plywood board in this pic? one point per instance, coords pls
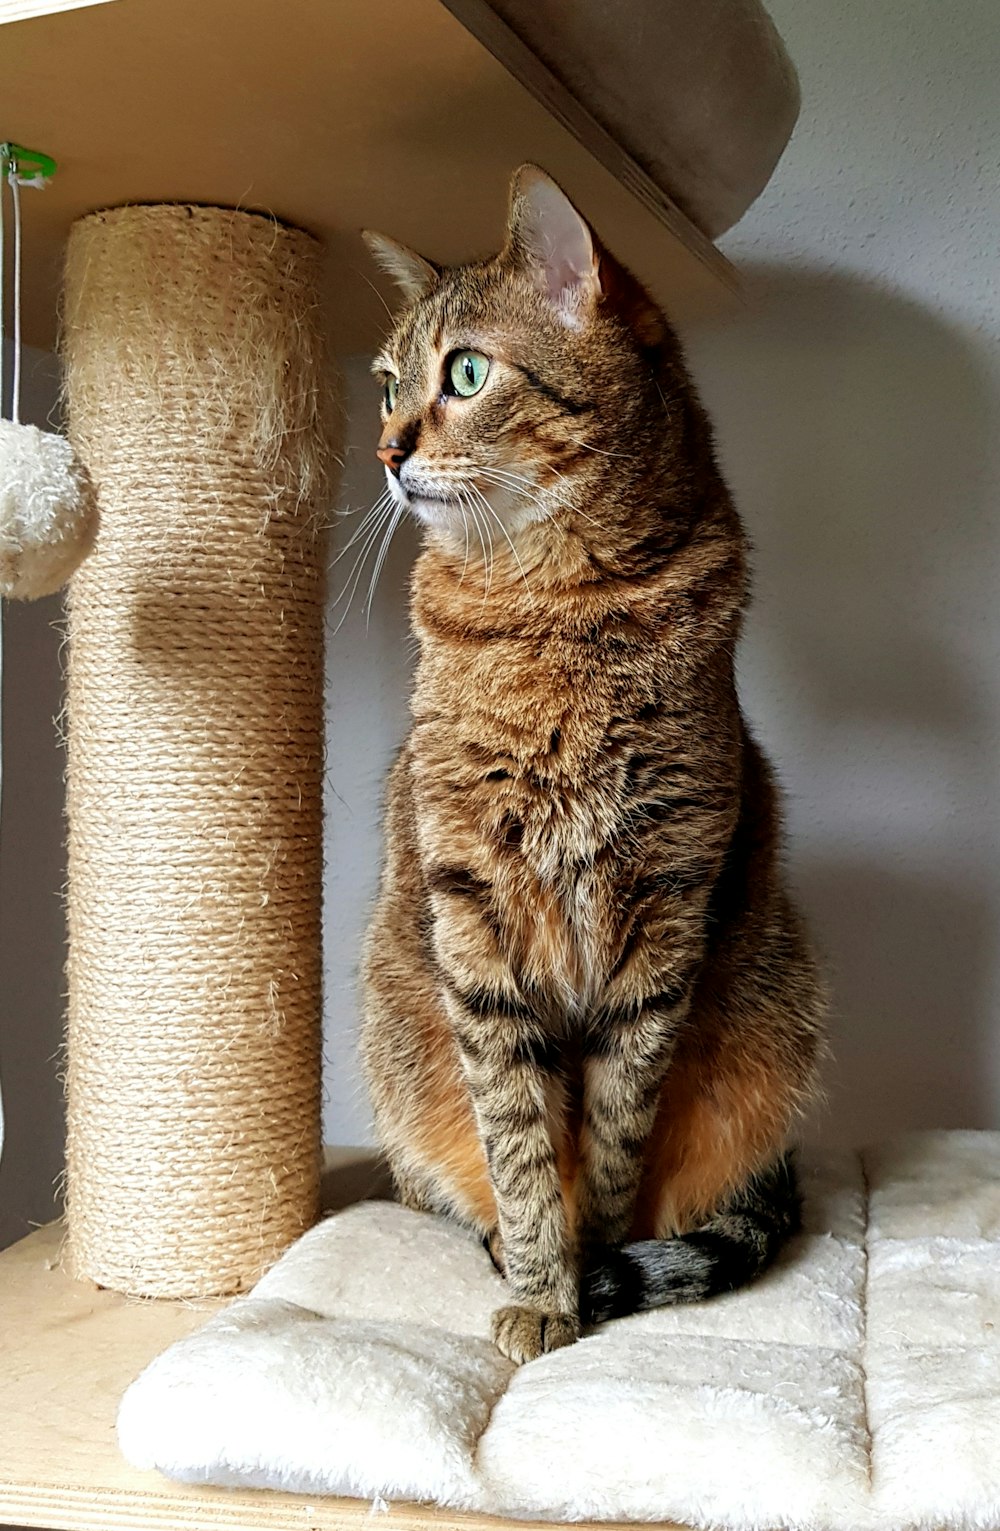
(330, 115)
(67, 1353)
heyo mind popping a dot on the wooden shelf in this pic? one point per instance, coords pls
(332, 116)
(67, 1353)
(21, 10)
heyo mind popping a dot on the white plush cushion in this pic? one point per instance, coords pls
(855, 1386)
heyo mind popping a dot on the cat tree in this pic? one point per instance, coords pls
(193, 714)
(195, 748)
(194, 732)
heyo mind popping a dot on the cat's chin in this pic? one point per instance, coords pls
(435, 511)
(452, 520)
(432, 506)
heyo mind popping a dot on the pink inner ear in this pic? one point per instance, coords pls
(556, 243)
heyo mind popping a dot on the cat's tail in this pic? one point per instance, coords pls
(736, 1245)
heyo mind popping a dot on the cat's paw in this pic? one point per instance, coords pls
(523, 1334)
(493, 1244)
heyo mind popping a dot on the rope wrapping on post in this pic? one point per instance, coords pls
(197, 398)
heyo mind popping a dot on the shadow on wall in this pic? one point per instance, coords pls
(854, 428)
(32, 874)
(32, 931)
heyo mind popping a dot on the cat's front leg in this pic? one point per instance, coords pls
(629, 1048)
(508, 1089)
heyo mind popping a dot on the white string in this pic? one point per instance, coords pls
(3, 374)
(2, 606)
(3, 360)
(16, 392)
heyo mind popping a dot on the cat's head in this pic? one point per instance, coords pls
(514, 379)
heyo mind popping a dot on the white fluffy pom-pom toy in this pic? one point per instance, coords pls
(48, 511)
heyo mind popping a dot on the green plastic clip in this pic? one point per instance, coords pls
(29, 166)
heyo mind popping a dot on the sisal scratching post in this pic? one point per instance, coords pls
(196, 400)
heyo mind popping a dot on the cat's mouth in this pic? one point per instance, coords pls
(432, 496)
(431, 508)
(429, 503)
(451, 505)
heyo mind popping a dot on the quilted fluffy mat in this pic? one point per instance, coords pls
(856, 1386)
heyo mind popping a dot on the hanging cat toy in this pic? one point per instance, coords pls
(48, 508)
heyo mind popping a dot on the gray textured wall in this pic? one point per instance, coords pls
(859, 420)
(32, 868)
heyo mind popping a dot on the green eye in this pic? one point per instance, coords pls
(465, 372)
(391, 390)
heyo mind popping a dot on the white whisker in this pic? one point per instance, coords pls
(510, 544)
(369, 543)
(603, 451)
(506, 480)
(380, 560)
(465, 523)
(487, 561)
(378, 295)
(382, 503)
(493, 477)
(514, 478)
(353, 579)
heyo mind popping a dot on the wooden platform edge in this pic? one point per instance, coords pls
(236, 1512)
(233, 1510)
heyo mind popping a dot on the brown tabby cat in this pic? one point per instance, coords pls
(591, 1015)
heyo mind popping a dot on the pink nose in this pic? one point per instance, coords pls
(392, 455)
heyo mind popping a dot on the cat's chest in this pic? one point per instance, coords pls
(536, 818)
(542, 775)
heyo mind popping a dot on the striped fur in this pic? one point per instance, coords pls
(728, 1250)
(590, 1013)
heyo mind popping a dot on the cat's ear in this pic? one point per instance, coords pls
(551, 243)
(411, 273)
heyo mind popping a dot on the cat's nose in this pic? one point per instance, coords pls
(393, 454)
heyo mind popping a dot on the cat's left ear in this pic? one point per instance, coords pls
(411, 273)
(549, 240)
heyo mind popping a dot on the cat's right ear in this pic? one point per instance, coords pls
(412, 274)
